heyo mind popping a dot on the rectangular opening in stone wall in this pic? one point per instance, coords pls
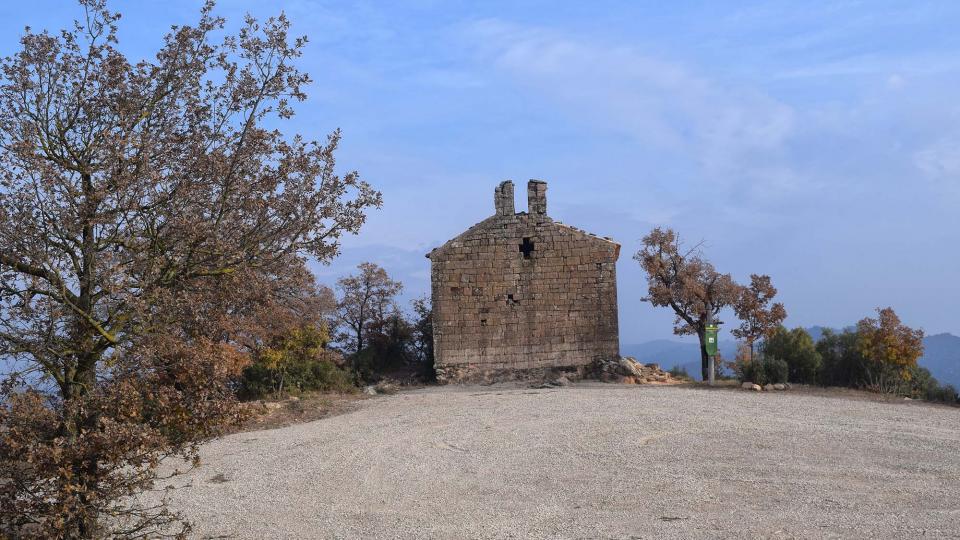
(511, 301)
(526, 247)
(483, 322)
(454, 289)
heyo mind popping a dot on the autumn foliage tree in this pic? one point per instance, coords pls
(686, 283)
(889, 347)
(758, 317)
(148, 220)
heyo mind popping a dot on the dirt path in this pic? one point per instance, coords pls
(589, 461)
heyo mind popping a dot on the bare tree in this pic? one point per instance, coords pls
(686, 283)
(758, 317)
(146, 217)
(367, 301)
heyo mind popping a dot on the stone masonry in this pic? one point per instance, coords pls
(520, 294)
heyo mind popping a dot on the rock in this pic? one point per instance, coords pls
(386, 388)
(768, 387)
(746, 385)
(370, 391)
(293, 398)
(787, 386)
(272, 405)
(562, 381)
(756, 388)
(627, 380)
(630, 367)
(779, 386)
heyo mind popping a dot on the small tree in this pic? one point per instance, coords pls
(296, 361)
(841, 361)
(753, 308)
(796, 348)
(686, 283)
(367, 302)
(890, 349)
(423, 335)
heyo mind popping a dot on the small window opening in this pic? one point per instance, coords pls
(510, 300)
(526, 247)
(483, 322)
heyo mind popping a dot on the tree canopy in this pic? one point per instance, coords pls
(685, 282)
(149, 218)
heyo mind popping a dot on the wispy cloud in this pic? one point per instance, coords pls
(658, 103)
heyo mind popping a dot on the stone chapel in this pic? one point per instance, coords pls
(520, 294)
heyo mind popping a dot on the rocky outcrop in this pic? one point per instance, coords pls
(626, 370)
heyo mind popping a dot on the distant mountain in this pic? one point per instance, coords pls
(941, 354)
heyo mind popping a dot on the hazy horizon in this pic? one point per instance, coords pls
(817, 144)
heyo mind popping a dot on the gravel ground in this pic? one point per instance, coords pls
(588, 461)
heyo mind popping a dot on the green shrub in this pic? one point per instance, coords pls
(777, 370)
(298, 362)
(922, 385)
(842, 363)
(796, 348)
(762, 371)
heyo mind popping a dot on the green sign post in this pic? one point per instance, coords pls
(712, 340)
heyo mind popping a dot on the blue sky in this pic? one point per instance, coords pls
(815, 142)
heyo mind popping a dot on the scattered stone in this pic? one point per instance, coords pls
(747, 385)
(779, 386)
(768, 387)
(386, 388)
(272, 405)
(562, 381)
(626, 370)
(370, 391)
(756, 388)
(631, 367)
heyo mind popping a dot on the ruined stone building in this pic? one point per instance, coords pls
(519, 292)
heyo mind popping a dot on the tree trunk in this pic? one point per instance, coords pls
(704, 357)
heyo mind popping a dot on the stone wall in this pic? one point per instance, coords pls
(522, 292)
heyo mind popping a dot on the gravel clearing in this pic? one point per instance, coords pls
(587, 461)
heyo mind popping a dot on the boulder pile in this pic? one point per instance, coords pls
(626, 370)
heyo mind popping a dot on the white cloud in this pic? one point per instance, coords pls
(657, 102)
